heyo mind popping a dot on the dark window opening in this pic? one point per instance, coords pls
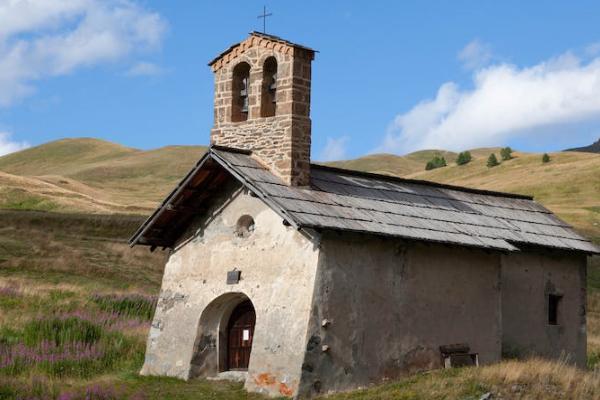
(553, 305)
(241, 85)
(269, 88)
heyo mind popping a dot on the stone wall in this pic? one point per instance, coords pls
(527, 280)
(281, 142)
(278, 266)
(382, 310)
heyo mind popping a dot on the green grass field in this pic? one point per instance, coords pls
(76, 301)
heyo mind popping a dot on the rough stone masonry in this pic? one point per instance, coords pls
(281, 141)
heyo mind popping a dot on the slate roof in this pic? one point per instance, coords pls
(372, 204)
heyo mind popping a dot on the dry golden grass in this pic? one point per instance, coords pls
(525, 380)
(387, 164)
(47, 194)
(538, 379)
(89, 251)
(593, 322)
(90, 175)
(34, 287)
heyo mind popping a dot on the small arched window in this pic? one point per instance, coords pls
(240, 87)
(244, 226)
(269, 88)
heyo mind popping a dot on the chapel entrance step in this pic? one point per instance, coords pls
(235, 376)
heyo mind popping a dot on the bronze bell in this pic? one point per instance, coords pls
(273, 88)
(244, 95)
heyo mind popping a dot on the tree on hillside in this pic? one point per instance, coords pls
(506, 153)
(545, 158)
(463, 158)
(436, 162)
(492, 161)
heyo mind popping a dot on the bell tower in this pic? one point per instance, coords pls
(262, 103)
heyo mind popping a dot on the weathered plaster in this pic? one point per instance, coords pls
(388, 307)
(339, 311)
(278, 267)
(527, 279)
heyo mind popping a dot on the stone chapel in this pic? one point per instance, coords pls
(302, 279)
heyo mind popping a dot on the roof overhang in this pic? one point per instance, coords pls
(164, 226)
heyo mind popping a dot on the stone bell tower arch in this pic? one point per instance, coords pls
(262, 103)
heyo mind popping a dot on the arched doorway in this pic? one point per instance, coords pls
(240, 332)
(221, 334)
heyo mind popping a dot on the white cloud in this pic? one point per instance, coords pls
(8, 146)
(505, 102)
(42, 38)
(475, 54)
(593, 49)
(335, 149)
(145, 69)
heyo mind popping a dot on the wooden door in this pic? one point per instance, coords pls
(240, 332)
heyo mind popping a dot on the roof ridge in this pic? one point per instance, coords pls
(423, 182)
(262, 36)
(280, 39)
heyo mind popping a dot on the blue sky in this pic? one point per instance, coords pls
(390, 76)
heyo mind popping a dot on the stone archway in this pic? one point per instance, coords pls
(211, 344)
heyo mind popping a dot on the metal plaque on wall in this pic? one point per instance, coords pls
(233, 277)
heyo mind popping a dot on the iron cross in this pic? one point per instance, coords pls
(264, 17)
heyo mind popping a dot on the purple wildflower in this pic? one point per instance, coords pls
(20, 355)
(9, 291)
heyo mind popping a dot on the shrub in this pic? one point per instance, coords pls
(545, 158)
(492, 161)
(463, 158)
(506, 153)
(436, 162)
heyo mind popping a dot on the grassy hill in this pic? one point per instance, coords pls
(390, 164)
(592, 148)
(91, 175)
(63, 157)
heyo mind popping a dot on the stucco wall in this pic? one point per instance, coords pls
(344, 310)
(527, 280)
(278, 267)
(391, 306)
